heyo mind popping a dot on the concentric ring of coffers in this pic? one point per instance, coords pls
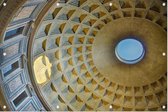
(65, 41)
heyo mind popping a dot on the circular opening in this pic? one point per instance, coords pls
(129, 51)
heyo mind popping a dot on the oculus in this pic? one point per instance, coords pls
(130, 51)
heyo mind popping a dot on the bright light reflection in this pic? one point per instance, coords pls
(4, 4)
(42, 69)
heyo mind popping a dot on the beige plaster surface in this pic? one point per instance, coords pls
(149, 69)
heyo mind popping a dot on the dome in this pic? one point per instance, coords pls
(83, 55)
